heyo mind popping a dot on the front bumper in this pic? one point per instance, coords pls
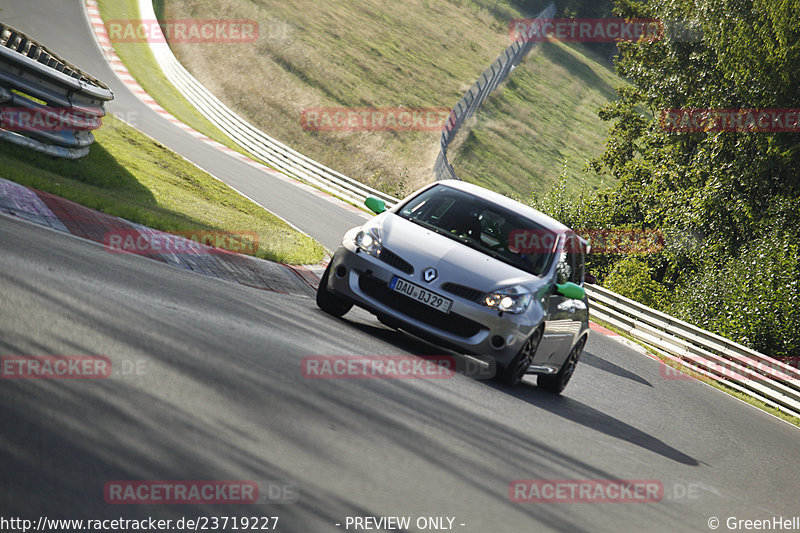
(469, 327)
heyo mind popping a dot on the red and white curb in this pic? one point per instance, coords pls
(309, 275)
(107, 48)
(63, 215)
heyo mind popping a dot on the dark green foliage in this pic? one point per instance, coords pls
(753, 298)
(631, 278)
(739, 190)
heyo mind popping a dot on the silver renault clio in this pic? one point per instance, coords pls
(471, 270)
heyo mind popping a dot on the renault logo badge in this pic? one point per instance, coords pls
(429, 274)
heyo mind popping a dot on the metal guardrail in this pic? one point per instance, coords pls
(493, 76)
(741, 368)
(47, 104)
(258, 143)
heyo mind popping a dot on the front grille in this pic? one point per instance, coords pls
(452, 323)
(392, 259)
(467, 293)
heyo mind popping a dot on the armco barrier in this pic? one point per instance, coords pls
(271, 151)
(739, 367)
(47, 104)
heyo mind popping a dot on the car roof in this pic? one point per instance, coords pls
(506, 202)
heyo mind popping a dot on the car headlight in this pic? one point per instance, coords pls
(511, 300)
(369, 241)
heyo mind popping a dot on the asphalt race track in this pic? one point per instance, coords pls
(208, 386)
(61, 26)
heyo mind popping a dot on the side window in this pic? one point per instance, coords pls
(578, 268)
(570, 262)
(564, 267)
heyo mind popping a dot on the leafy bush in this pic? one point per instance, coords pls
(631, 278)
(737, 190)
(753, 299)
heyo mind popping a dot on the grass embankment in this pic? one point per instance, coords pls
(542, 122)
(410, 53)
(129, 175)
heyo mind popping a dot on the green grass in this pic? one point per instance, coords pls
(541, 123)
(142, 65)
(410, 53)
(417, 54)
(129, 175)
(716, 384)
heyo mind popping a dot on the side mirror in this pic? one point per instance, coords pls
(571, 290)
(375, 205)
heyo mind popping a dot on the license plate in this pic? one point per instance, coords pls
(425, 296)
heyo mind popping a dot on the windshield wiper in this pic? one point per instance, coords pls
(430, 227)
(475, 246)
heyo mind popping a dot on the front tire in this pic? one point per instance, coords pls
(513, 373)
(327, 300)
(557, 382)
(388, 322)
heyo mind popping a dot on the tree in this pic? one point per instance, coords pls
(729, 186)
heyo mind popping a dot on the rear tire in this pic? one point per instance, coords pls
(558, 382)
(513, 373)
(327, 300)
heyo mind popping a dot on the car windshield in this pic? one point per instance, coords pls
(484, 226)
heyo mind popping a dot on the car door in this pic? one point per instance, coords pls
(579, 310)
(564, 316)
